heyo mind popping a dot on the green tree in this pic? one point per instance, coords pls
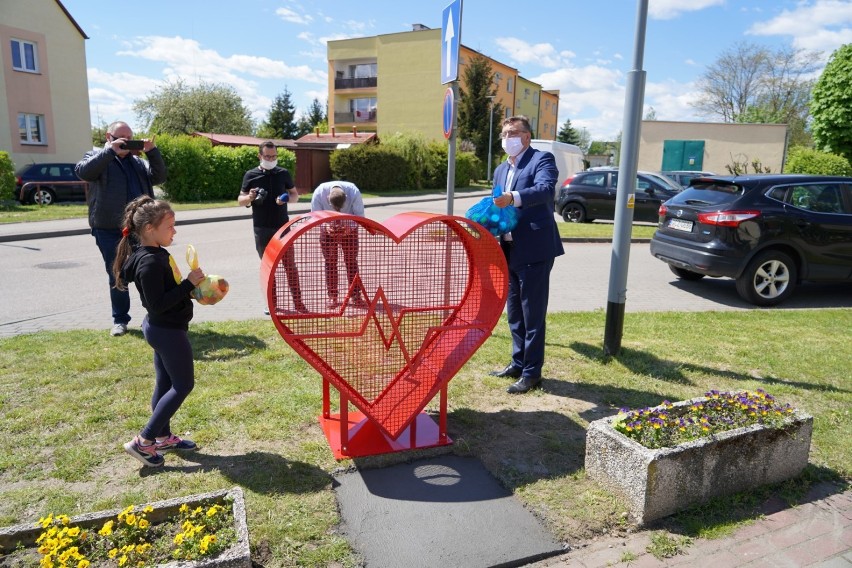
(314, 118)
(7, 176)
(831, 104)
(178, 108)
(474, 108)
(568, 134)
(281, 120)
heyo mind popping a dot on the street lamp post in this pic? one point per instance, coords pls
(490, 134)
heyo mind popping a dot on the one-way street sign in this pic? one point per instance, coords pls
(450, 41)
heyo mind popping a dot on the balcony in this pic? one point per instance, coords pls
(356, 83)
(355, 117)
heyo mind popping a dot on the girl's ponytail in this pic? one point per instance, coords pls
(129, 230)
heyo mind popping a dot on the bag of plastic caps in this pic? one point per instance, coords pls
(210, 290)
(498, 220)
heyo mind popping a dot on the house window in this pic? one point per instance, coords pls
(546, 105)
(497, 78)
(24, 56)
(31, 128)
(509, 82)
(535, 98)
(526, 93)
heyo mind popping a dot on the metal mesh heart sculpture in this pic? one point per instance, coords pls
(387, 313)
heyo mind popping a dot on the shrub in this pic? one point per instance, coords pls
(227, 166)
(199, 171)
(801, 160)
(7, 176)
(186, 160)
(371, 168)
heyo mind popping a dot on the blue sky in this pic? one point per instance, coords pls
(582, 48)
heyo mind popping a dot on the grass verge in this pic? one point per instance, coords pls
(69, 400)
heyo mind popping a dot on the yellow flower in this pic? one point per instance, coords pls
(46, 521)
(112, 553)
(184, 508)
(83, 564)
(179, 538)
(143, 524)
(74, 531)
(212, 511)
(148, 509)
(63, 519)
(122, 561)
(130, 519)
(106, 530)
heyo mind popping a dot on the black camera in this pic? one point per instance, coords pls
(260, 195)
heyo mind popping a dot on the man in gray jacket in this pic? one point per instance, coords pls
(116, 176)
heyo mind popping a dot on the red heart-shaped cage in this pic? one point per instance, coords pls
(387, 313)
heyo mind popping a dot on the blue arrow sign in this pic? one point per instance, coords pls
(450, 41)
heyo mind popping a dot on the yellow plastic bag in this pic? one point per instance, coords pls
(210, 290)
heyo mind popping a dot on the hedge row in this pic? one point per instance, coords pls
(378, 168)
(801, 160)
(199, 171)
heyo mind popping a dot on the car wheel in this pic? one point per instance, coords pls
(685, 274)
(43, 196)
(769, 279)
(574, 213)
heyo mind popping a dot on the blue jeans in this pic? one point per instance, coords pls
(107, 241)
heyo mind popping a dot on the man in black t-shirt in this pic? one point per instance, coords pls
(267, 189)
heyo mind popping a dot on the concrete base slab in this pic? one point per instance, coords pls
(442, 511)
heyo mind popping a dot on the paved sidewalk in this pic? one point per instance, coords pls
(815, 533)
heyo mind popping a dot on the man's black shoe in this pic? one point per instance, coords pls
(510, 372)
(523, 385)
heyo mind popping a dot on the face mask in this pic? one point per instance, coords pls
(268, 165)
(512, 145)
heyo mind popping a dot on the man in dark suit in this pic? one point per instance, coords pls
(528, 180)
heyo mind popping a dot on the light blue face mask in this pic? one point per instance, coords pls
(512, 145)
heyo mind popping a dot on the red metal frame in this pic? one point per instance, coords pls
(416, 297)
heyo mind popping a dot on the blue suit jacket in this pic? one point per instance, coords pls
(536, 236)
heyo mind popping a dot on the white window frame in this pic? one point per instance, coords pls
(509, 84)
(20, 45)
(26, 122)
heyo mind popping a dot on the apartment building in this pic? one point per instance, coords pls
(44, 93)
(392, 83)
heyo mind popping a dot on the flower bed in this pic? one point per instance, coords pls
(657, 482)
(122, 534)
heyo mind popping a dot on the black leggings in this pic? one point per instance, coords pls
(175, 376)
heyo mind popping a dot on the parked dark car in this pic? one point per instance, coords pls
(683, 177)
(768, 232)
(590, 195)
(47, 183)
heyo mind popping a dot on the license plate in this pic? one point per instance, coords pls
(680, 225)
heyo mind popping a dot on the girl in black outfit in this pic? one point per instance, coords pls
(165, 295)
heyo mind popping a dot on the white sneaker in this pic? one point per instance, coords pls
(118, 329)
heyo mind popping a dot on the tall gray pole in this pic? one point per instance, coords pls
(634, 97)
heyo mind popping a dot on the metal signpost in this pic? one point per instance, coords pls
(450, 42)
(625, 192)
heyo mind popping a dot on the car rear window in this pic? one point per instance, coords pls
(707, 193)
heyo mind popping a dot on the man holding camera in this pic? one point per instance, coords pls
(267, 189)
(116, 176)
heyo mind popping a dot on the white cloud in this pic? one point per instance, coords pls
(186, 58)
(669, 9)
(520, 51)
(822, 25)
(294, 17)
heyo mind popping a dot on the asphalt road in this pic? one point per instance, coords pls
(52, 282)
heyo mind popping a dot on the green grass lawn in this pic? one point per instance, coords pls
(69, 400)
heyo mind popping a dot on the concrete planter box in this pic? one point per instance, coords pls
(235, 557)
(658, 483)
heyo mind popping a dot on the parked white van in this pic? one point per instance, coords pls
(569, 158)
